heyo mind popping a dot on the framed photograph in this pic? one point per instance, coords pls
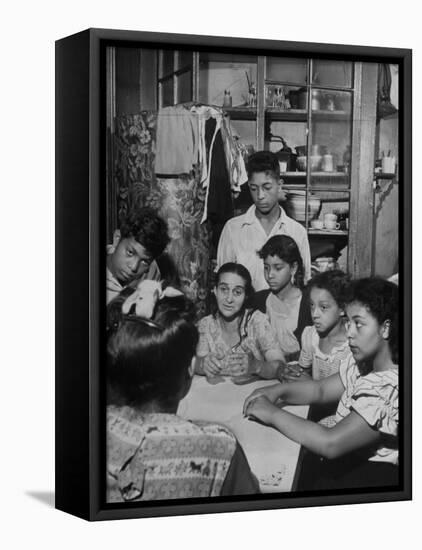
(233, 277)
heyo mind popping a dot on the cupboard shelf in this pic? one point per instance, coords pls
(333, 233)
(241, 113)
(293, 115)
(331, 115)
(323, 175)
(384, 176)
(301, 115)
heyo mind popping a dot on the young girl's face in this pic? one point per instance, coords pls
(365, 334)
(326, 314)
(278, 273)
(230, 294)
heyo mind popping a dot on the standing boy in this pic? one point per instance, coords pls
(141, 239)
(244, 235)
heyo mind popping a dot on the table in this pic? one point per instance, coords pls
(272, 457)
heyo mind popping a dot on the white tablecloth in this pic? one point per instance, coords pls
(271, 456)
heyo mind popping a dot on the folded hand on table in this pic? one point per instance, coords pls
(212, 365)
(271, 394)
(240, 363)
(260, 408)
(293, 372)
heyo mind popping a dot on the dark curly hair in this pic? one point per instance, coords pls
(146, 227)
(336, 282)
(263, 161)
(148, 360)
(287, 250)
(381, 299)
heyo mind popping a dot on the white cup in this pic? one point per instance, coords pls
(388, 165)
(330, 217)
(317, 224)
(283, 166)
(330, 225)
(327, 163)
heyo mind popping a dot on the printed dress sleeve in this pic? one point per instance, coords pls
(266, 339)
(376, 399)
(203, 349)
(307, 351)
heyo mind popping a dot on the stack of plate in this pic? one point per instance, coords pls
(295, 205)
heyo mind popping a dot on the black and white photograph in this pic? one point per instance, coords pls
(210, 221)
(252, 258)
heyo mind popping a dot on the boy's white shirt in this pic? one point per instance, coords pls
(243, 236)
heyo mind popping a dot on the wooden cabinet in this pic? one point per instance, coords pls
(323, 110)
(325, 113)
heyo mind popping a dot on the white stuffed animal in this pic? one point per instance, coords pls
(145, 297)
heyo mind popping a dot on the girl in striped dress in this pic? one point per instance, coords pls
(361, 449)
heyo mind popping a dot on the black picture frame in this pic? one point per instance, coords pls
(80, 308)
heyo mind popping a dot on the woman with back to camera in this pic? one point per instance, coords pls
(152, 453)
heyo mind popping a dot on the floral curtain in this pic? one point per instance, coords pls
(180, 201)
(134, 154)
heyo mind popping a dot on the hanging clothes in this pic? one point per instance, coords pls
(234, 156)
(219, 201)
(205, 113)
(177, 140)
(178, 200)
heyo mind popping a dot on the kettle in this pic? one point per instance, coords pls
(285, 154)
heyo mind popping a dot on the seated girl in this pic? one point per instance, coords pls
(361, 449)
(324, 344)
(152, 453)
(284, 304)
(236, 340)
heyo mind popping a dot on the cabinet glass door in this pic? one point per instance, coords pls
(285, 70)
(175, 77)
(228, 81)
(330, 138)
(328, 167)
(332, 73)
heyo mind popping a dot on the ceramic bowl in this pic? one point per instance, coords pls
(315, 163)
(296, 205)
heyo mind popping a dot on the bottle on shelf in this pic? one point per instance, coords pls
(227, 101)
(327, 164)
(346, 159)
(252, 95)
